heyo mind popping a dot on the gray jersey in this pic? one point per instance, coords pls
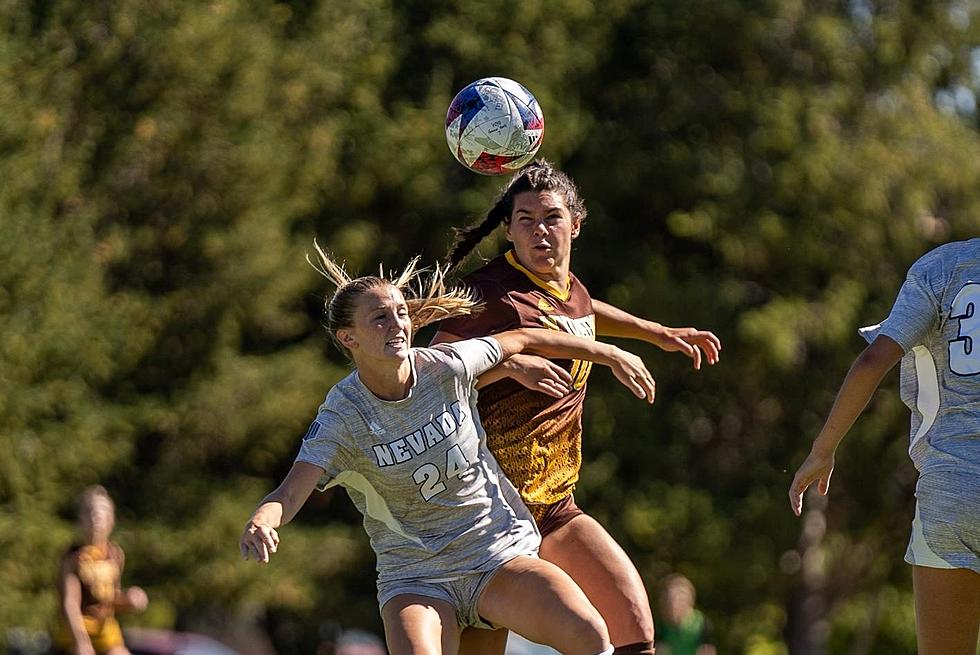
(936, 321)
(434, 500)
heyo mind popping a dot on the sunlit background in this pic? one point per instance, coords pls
(767, 170)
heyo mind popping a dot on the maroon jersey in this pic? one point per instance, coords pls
(99, 570)
(536, 439)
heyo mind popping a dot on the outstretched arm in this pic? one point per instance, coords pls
(697, 344)
(277, 509)
(627, 367)
(855, 392)
(535, 373)
(132, 598)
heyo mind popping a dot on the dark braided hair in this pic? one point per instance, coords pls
(539, 175)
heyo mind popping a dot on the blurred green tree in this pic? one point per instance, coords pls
(766, 170)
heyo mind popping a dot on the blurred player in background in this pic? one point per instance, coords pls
(934, 329)
(90, 584)
(681, 628)
(532, 407)
(455, 546)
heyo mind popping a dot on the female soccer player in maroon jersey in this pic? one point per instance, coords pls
(532, 408)
(89, 584)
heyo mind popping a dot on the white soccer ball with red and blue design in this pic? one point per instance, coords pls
(494, 126)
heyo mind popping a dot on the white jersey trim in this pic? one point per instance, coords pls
(374, 505)
(922, 554)
(927, 401)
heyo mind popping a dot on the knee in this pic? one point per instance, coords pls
(644, 627)
(638, 625)
(590, 634)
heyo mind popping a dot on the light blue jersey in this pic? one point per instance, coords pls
(435, 503)
(936, 321)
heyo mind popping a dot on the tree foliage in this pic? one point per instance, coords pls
(766, 170)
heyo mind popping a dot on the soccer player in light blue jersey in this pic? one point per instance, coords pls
(455, 545)
(934, 330)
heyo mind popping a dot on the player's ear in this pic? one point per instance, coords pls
(507, 231)
(576, 227)
(346, 339)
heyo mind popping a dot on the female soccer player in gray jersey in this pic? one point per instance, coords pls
(934, 329)
(455, 546)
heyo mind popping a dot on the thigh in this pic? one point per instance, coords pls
(477, 641)
(539, 601)
(106, 638)
(947, 610)
(584, 550)
(419, 625)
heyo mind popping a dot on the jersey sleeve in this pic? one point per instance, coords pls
(323, 445)
(498, 314)
(472, 356)
(914, 314)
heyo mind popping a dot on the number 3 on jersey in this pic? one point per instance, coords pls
(964, 350)
(429, 476)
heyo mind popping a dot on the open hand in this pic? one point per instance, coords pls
(632, 372)
(817, 467)
(697, 344)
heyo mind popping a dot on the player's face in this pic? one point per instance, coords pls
(679, 603)
(382, 329)
(542, 229)
(97, 519)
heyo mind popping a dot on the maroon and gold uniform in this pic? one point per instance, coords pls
(99, 571)
(536, 439)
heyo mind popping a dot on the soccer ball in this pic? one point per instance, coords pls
(494, 126)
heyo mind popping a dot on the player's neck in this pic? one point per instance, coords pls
(99, 541)
(559, 278)
(556, 277)
(387, 381)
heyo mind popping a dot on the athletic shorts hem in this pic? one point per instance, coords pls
(946, 525)
(553, 516)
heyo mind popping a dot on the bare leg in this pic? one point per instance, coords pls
(418, 625)
(538, 600)
(475, 641)
(947, 610)
(603, 570)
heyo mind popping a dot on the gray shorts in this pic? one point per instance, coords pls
(461, 592)
(946, 528)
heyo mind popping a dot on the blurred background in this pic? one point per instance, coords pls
(767, 170)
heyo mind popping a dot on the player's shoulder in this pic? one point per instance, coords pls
(340, 396)
(70, 555)
(491, 279)
(440, 353)
(577, 287)
(115, 551)
(448, 353)
(948, 256)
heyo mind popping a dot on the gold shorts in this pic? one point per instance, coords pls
(105, 635)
